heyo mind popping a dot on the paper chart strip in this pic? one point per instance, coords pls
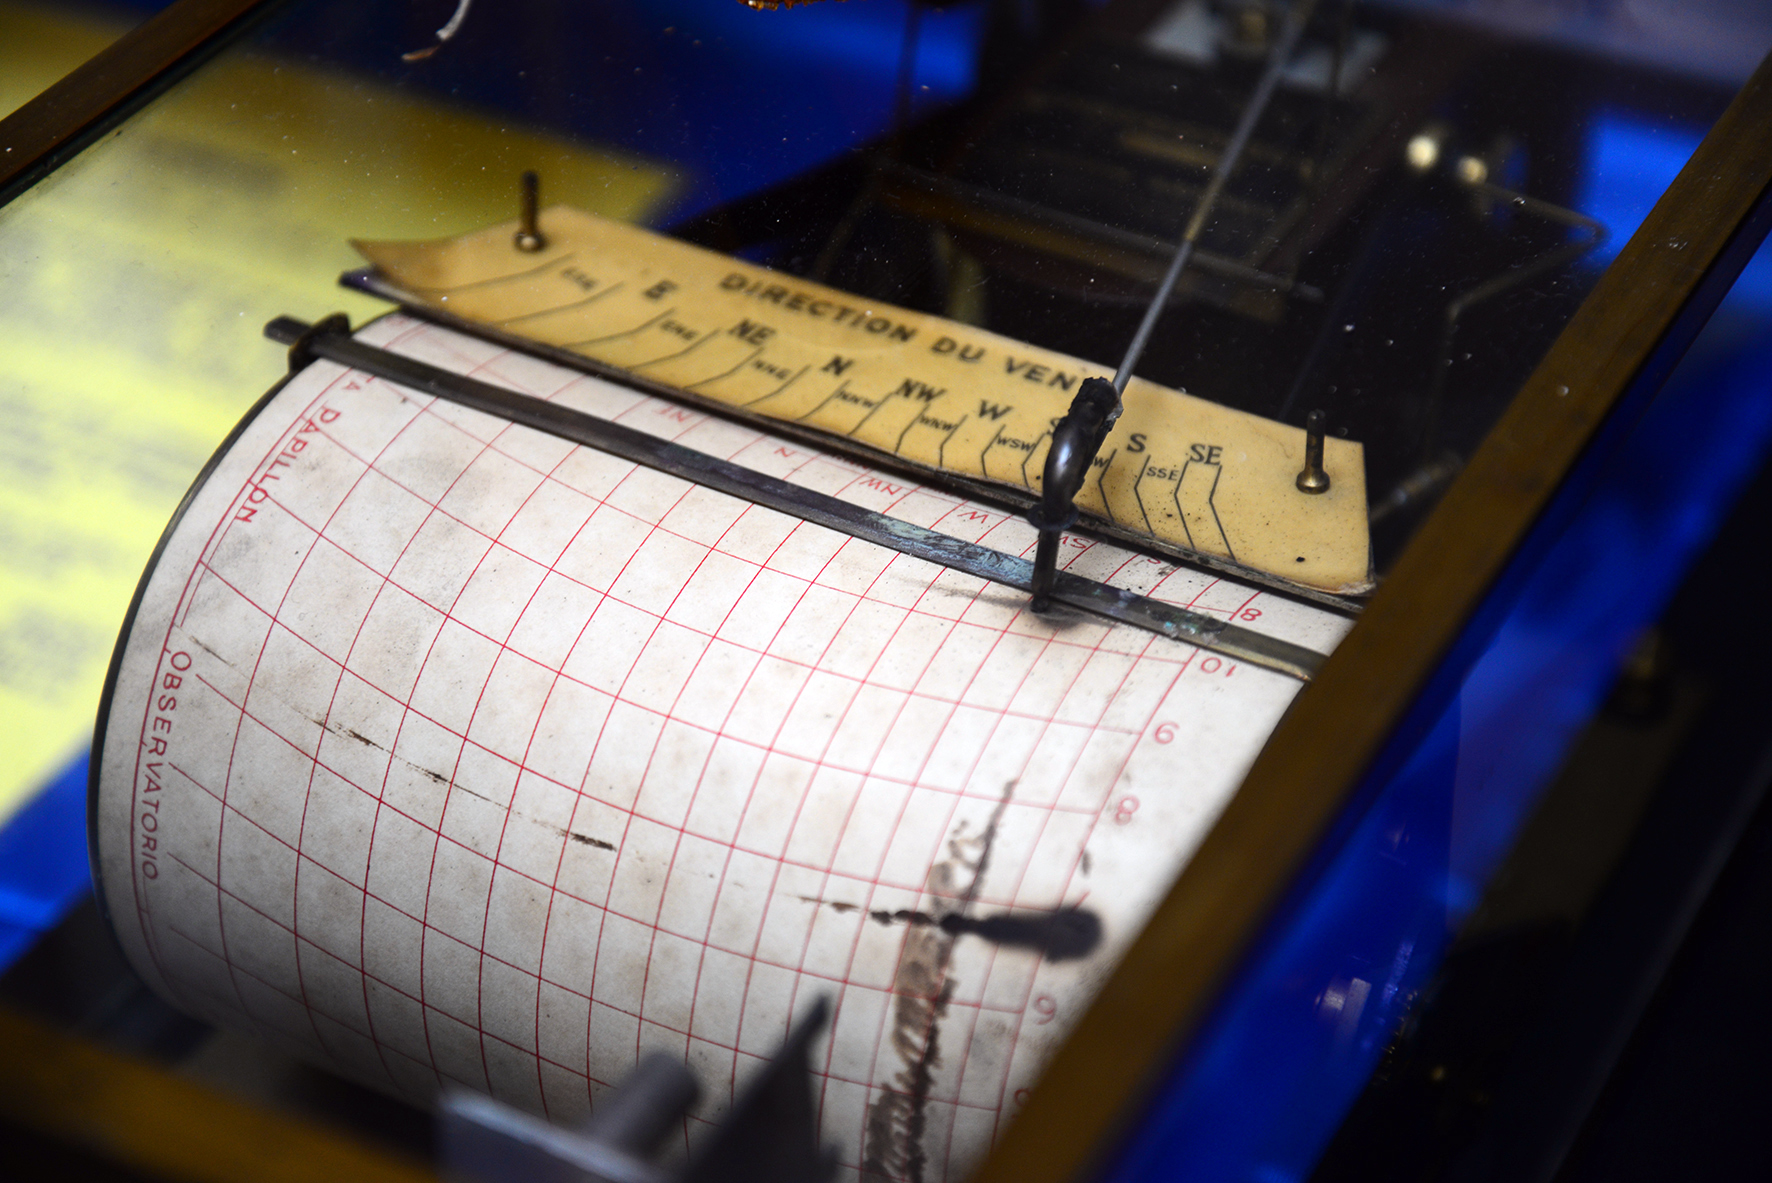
(443, 751)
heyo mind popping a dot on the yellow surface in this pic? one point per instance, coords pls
(134, 1114)
(1189, 475)
(134, 285)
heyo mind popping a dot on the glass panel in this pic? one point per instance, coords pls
(1425, 194)
(1393, 209)
(1426, 197)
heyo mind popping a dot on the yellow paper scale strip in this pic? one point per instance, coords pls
(1184, 473)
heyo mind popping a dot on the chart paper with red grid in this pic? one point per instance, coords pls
(443, 751)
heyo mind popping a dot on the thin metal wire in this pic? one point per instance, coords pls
(1278, 57)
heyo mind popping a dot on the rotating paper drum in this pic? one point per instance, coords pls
(441, 750)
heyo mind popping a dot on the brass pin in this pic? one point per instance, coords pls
(528, 236)
(1312, 478)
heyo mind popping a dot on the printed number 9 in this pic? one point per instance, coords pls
(1046, 1007)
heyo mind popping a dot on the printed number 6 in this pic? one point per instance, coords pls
(1165, 733)
(1046, 1007)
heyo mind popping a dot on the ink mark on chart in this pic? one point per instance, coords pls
(896, 1119)
(1056, 934)
(440, 779)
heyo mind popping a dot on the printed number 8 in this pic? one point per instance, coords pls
(1124, 810)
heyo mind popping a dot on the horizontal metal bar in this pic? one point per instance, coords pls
(1125, 607)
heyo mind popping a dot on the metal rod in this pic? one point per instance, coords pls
(1228, 160)
(1045, 569)
(1312, 478)
(1179, 624)
(529, 237)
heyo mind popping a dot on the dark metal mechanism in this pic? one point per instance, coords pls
(1079, 435)
(1278, 57)
(770, 1135)
(1075, 441)
(1099, 599)
(650, 1103)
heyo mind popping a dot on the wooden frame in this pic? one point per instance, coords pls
(59, 123)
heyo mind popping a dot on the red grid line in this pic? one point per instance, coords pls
(997, 637)
(301, 939)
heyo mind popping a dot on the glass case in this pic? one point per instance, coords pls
(1438, 258)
